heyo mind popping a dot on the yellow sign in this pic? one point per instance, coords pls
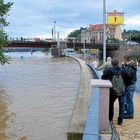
(93, 51)
(115, 18)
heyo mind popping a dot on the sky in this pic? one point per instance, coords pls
(35, 18)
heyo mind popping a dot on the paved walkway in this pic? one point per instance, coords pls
(130, 129)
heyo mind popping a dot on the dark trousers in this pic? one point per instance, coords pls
(121, 100)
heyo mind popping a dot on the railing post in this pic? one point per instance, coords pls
(104, 85)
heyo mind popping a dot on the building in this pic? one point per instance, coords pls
(94, 33)
(72, 40)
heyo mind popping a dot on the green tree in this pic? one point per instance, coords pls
(4, 9)
(136, 38)
(75, 33)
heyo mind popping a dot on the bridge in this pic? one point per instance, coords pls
(45, 44)
(117, 50)
(28, 44)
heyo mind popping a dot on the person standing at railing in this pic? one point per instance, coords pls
(131, 68)
(107, 64)
(111, 74)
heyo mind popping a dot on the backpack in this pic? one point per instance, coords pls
(118, 85)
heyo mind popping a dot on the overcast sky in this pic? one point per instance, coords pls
(35, 18)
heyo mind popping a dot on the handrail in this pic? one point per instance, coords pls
(98, 111)
(94, 72)
(97, 75)
(91, 131)
(89, 119)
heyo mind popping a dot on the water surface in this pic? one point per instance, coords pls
(37, 95)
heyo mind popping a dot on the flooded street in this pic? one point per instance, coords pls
(37, 95)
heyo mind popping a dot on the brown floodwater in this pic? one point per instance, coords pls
(37, 95)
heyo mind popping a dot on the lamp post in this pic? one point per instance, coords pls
(54, 31)
(84, 45)
(73, 43)
(58, 40)
(104, 33)
(130, 34)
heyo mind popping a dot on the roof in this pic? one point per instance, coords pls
(98, 27)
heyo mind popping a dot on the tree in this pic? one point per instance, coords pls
(4, 9)
(75, 33)
(135, 35)
(136, 38)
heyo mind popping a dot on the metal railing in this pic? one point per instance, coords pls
(89, 119)
(97, 125)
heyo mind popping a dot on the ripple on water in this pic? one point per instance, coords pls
(41, 94)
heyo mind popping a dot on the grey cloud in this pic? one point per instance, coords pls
(38, 16)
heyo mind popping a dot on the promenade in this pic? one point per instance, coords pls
(130, 129)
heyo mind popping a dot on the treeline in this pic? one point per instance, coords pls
(134, 34)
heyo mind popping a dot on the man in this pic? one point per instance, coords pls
(106, 64)
(109, 74)
(131, 79)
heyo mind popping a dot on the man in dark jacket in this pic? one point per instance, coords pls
(131, 79)
(108, 75)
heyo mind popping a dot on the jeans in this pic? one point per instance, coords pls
(121, 100)
(129, 100)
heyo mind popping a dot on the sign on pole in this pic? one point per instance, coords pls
(115, 18)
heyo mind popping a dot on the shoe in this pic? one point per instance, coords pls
(119, 123)
(110, 118)
(128, 117)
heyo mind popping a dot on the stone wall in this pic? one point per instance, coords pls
(124, 49)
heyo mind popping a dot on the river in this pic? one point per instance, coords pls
(37, 95)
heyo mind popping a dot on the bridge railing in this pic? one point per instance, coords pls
(89, 119)
(97, 124)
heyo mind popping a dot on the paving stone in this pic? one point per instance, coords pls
(130, 129)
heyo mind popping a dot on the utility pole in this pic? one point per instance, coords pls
(84, 44)
(54, 31)
(73, 43)
(58, 40)
(104, 33)
(130, 34)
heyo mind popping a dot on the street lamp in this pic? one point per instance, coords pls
(104, 33)
(73, 43)
(84, 44)
(130, 34)
(54, 31)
